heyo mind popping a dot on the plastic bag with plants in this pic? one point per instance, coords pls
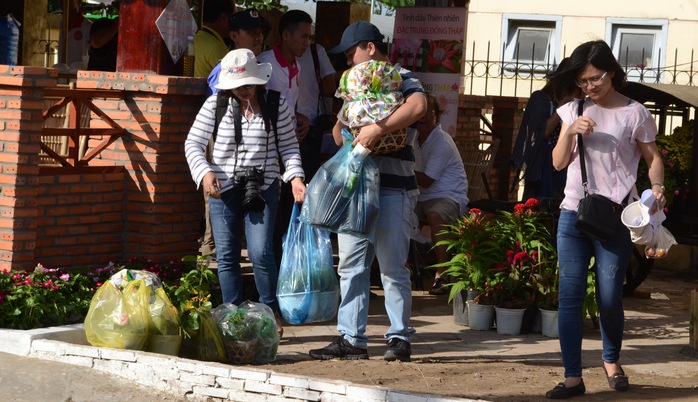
(307, 288)
(249, 332)
(202, 337)
(132, 311)
(206, 341)
(343, 195)
(164, 331)
(119, 316)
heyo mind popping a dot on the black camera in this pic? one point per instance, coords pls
(250, 181)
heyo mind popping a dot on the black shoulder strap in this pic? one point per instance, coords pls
(580, 147)
(316, 64)
(237, 121)
(222, 99)
(318, 78)
(272, 108)
(270, 113)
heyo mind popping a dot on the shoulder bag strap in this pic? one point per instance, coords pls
(580, 146)
(316, 64)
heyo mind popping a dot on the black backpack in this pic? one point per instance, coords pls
(269, 104)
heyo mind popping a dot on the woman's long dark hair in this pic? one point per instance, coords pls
(598, 54)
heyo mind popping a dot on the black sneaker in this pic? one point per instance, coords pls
(398, 350)
(339, 349)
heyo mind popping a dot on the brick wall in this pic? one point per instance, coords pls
(80, 216)
(21, 102)
(164, 209)
(136, 198)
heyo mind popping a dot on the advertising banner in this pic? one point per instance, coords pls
(429, 41)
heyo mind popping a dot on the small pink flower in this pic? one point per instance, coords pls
(664, 152)
(65, 277)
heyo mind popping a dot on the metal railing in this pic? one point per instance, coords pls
(492, 77)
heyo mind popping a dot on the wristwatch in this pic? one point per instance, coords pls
(660, 185)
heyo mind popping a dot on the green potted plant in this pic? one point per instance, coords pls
(530, 254)
(192, 297)
(472, 240)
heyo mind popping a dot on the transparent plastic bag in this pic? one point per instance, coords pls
(343, 195)
(249, 332)
(307, 289)
(661, 243)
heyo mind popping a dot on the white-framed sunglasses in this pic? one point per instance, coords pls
(594, 81)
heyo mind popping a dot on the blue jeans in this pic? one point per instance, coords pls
(612, 258)
(393, 229)
(227, 220)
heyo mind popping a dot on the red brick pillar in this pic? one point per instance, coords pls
(162, 207)
(21, 103)
(470, 109)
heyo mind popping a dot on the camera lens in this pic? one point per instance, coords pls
(253, 201)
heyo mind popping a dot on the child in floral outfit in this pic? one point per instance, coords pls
(371, 92)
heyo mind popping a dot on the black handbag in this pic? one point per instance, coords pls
(597, 216)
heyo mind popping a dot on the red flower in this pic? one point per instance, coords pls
(520, 257)
(532, 203)
(475, 211)
(519, 208)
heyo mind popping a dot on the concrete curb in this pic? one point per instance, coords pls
(197, 380)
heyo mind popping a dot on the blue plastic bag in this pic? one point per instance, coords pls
(343, 196)
(308, 289)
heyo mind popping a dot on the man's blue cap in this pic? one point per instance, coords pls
(358, 32)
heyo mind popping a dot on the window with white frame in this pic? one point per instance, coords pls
(531, 40)
(639, 45)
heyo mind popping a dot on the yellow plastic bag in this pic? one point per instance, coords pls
(164, 332)
(119, 319)
(207, 342)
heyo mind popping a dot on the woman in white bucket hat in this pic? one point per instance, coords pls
(242, 174)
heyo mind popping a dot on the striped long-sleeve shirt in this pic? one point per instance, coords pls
(256, 149)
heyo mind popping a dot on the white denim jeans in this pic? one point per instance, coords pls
(393, 228)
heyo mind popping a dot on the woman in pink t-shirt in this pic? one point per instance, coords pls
(617, 132)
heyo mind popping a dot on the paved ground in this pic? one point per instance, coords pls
(656, 342)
